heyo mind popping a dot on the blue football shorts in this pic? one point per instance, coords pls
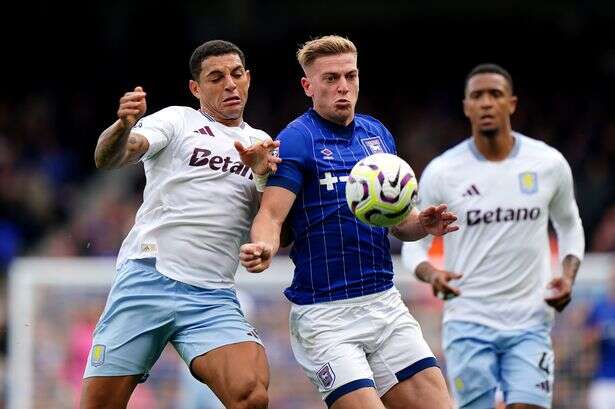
(480, 359)
(145, 310)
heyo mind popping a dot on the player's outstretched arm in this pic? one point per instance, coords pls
(117, 145)
(265, 234)
(433, 220)
(439, 280)
(260, 157)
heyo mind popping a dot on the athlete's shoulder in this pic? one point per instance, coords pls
(370, 123)
(300, 127)
(258, 134)
(530, 147)
(451, 156)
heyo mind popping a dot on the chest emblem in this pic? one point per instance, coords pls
(528, 182)
(373, 145)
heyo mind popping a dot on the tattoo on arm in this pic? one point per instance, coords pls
(570, 266)
(111, 146)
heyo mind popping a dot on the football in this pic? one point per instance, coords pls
(381, 190)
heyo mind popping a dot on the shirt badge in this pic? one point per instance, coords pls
(528, 182)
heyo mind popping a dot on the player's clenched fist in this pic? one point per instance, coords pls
(132, 107)
(255, 257)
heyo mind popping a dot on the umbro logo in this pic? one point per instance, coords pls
(472, 191)
(327, 154)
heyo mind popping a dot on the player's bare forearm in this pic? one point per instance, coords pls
(410, 229)
(111, 146)
(266, 229)
(570, 267)
(117, 146)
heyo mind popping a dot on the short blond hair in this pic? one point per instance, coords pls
(324, 46)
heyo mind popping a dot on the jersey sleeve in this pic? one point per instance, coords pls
(293, 152)
(415, 252)
(159, 128)
(564, 214)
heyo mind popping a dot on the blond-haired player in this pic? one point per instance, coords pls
(350, 330)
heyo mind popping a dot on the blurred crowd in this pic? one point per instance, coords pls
(53, 202)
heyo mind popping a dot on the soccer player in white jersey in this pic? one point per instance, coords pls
(176, 267)
(497, 277)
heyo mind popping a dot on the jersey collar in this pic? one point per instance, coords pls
(242, 125)
(339, 130)
(513, 153)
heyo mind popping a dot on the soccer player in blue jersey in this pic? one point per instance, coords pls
(350, 330)
(601, 333)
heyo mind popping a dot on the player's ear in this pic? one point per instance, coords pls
(307, 87)
(194, 88)
(513, 104)
(248, 76)
(466, 109)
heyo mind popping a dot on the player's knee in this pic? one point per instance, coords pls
(250, 395)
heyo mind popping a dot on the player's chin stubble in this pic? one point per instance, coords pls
(489, 133)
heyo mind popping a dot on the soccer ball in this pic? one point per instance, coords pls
(381, 190)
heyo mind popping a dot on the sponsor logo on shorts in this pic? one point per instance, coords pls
(326, 376)
(98, 355)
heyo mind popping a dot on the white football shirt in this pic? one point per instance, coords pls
(199, 199)
(502, 247)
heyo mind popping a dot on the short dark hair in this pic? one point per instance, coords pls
(489, 69)
(212, 48)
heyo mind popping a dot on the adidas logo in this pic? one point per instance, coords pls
(472, 191)
(544, 386)
(204, 131)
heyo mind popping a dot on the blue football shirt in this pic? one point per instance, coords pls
(335, 255)
(603, 317)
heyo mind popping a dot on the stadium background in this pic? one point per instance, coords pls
(60, 85)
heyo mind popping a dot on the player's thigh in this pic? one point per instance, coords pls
(234, 372)
(527, 370)
(362, 398)
(400, 351)
(107, 392)
(471, 363)
(217, 342)
(327, 342)
(135, 325)
(424, 390)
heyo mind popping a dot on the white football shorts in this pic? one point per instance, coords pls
(368, 341)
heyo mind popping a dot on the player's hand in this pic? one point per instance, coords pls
(561, 293)
(440, 284)
(261, 157)
(437, 221)
(255, 257)
(132, 107)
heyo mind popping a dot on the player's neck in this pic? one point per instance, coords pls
(224, 121)
(335, 120)
(495, 147)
